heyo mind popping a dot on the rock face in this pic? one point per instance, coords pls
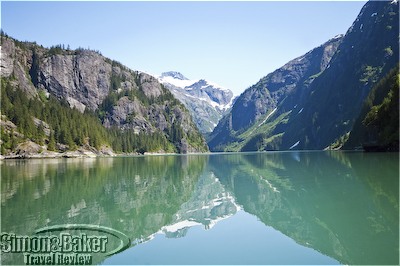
(369, 50)
(14, 63)
(273, 88)
(83, 79)
(88, 81)
(257, 102)
(206, 101)
(314, 100)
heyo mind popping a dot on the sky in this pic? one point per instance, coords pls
(233, 44)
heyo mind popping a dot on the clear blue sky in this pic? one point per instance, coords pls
(231, 43)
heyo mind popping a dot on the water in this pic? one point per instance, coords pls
(251, 208)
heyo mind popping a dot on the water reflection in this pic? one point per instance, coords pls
(344, 205)
(136, 196)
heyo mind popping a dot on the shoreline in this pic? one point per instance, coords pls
(91, 154)
(86, 154)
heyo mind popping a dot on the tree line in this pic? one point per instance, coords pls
(68, 126)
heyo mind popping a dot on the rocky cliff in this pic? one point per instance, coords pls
(206, 101)
(369, 50)
(314, 100)
(121, 99)
(259, 102)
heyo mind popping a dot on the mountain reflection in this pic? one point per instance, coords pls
(344, 205)
(136, 195)
(208, 204)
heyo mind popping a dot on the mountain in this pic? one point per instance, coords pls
(208, 205)
(377, 126)
(206, 101)
(281, 88)
(314, 100)
(79, 99)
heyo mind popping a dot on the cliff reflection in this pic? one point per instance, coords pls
(136, 195)
(344, 205)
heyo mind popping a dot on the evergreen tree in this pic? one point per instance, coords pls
(39, 135)
(52, 142)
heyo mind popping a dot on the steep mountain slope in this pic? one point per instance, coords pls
(368, 52)
(261, 101)
(377, 126)
(140, 114)
(206, 101)
(324, 104)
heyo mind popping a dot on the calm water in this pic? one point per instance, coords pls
(253, 208)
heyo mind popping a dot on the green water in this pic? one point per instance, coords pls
(251, 208)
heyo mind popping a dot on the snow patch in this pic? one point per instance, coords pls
(177, 82)
(208, 100)
(274, 189)
(361, 26)
(229, 105)
(186, 85)
(294, 145)
(374, 14)
(301, 110)
(215, 85)
(394, 2)
(179, 225)
(268, 116)
(338, 36)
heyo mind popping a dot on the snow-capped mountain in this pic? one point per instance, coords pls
(206, 101)
(209, 204)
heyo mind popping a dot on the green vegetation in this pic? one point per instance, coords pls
(72, 128)
(378, 122)
(370, 73)
(49, 121)
(337, 144)
(68, 126)
(261, 136)
(110, 184)
(129, 141)
(384, 118)
(389, 51)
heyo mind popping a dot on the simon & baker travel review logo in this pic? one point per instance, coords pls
(69, 244)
